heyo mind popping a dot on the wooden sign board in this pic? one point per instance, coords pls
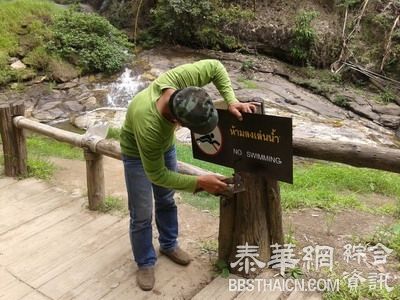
(260, 144)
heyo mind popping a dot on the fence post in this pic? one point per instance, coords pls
(253, 217)
(94, 178)
(14, 143)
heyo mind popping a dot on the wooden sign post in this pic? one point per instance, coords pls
(252, 217)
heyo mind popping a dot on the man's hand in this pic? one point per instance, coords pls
(212, 184)
(237, 107)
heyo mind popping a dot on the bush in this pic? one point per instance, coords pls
(89, 41)
(197, 24)
(304, 36)
(60, 70)
(38, 58)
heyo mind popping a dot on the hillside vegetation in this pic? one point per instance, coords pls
(56, 42)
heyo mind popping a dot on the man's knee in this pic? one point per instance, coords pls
(141, 218)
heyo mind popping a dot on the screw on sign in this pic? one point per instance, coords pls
(210, 143)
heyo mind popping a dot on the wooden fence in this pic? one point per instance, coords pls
(252, 217)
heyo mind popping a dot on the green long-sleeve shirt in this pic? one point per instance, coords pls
(148, 135)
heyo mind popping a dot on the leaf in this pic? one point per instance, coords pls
(225, 273)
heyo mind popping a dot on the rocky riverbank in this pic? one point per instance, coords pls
(365, 120)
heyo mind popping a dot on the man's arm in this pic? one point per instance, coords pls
(154, 167)
(204, 72)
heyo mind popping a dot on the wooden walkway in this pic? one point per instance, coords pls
(53, 247)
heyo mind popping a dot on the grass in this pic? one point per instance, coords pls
(46, 147)
(184, 153)
(114, 133)
(40, 168)
(388, 235)
(327, 186)
(247, 83)
(21, 19)
(331, 185)
(113, 204)
(13, 14)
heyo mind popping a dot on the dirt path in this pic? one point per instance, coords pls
(305, 227)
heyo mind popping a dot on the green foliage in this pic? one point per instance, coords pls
(341, 101)
(184, 153)
(247, 65)
(89, 41)
(197, 23)
(323, 185)
(38, 58)
(304, 36)
(46, 147)
(14, 15)
(147, 40)
(114, 133)
(247, 83)
(331, 186)
(388, 235)
(348, 3)
(113, 204)
(222, 268)
(40, 167)
(387, 96)
(295, 272)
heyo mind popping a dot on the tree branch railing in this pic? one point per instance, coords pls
(13, 123)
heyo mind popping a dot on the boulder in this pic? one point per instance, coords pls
(18, 65)
(89, 103)
(390, 121)
(49, 105)
(66, 86)
(114, 117)
(73, 106)
(364, 111)
(389, 109)
(46, 116)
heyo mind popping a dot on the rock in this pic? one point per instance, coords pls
(18, 65)
(39, 79)
(363, 110)
(49, 105)
(46, 116)
(114, 117)
(183, 135)
(73, 106)
(12, 60)
(390, 121)
(82, 97)
(89, 103)
(101, 96)
(398, 133)
(389, 109)
(148, 76)
(65, 86)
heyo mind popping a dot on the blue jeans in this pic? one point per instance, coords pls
(140, 201)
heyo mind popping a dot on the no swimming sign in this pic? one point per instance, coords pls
(260, 144)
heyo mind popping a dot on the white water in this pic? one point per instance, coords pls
(121, 90)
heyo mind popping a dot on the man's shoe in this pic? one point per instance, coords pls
(178, 256)
(145, 278)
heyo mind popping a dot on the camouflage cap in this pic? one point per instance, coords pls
(193, 108)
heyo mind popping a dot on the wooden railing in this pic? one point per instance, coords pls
(254, 216)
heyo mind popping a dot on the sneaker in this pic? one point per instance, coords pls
(178, 256)
(145, 278)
